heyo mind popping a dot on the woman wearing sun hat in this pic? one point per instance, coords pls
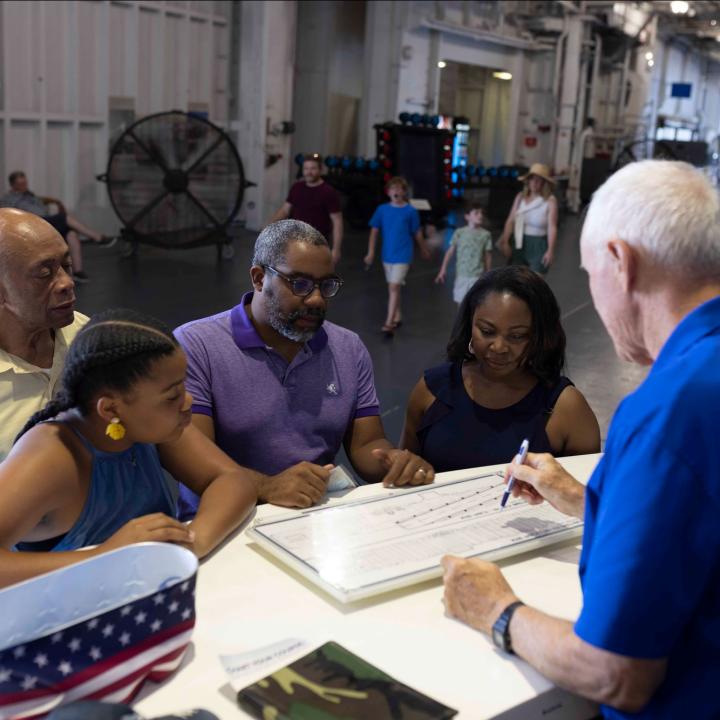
(533, 222)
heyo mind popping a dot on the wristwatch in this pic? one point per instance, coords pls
(501, 628)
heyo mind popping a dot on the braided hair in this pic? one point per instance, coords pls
(112, 352)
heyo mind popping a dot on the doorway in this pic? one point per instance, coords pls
(482, 95)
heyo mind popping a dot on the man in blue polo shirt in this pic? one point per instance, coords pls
(279, 389)
(647, 642)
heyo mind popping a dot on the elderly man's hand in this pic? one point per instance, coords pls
(299, 486)
(404, 468)
(476, 592)
(542, 477)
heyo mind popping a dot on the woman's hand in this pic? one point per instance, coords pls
(157, 527)
(548, 258)
(403, 467)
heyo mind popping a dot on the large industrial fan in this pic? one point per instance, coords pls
(175, 180)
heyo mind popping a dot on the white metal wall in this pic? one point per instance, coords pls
(65, 64)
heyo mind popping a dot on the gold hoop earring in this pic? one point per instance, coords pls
(115, 429)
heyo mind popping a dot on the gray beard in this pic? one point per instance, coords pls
(284, 325)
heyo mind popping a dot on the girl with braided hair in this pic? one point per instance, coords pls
(88, 468)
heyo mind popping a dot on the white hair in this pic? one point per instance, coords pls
(667, 208)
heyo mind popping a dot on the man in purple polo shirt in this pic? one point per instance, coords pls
(314, 202)
(279, 389)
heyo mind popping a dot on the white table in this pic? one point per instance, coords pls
(246, 599)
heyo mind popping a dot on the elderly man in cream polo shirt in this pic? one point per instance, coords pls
(37, 317)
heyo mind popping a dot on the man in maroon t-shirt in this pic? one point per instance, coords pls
(313, 201)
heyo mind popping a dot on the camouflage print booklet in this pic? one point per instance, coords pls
(331, 683)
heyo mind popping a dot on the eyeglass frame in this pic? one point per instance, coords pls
(316, 283)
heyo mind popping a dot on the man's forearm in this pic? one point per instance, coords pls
(370, 468)
(260, 481)
(551, 646)
(337, 235)
(282, 214)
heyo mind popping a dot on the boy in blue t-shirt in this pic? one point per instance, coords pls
(399, 223)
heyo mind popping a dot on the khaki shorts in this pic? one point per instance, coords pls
(396, 272)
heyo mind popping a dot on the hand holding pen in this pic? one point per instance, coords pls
(519, 460)
(541, 477)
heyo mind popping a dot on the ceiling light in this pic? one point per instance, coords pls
(651, 63)
(713, 23)
(442, 64)
(679, 7)
(502, 75)
(649, 56)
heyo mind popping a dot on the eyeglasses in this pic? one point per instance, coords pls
(302, 286)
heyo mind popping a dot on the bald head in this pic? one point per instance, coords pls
(36, 287)
(24, 236)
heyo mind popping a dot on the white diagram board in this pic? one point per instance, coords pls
(372, 546)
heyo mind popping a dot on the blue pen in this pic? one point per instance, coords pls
(519, 460)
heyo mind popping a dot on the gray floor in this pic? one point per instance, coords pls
(181, 285)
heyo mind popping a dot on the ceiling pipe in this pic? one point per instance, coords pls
(568, 5)
(484, 35)
(556, 86)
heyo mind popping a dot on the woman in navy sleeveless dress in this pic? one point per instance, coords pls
(502, 383)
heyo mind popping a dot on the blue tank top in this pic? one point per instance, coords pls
(456, 433)
(123, 486)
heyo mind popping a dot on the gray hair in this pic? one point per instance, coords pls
(667, 208)
(272, 243)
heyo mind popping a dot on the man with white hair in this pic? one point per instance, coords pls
(280, 390)
(647, 642)
(37, 317)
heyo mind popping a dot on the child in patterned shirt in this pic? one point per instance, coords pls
(474, 253)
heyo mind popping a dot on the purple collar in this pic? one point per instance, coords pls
(246, 336)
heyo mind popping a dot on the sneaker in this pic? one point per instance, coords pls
(107, 240)
(80, 277)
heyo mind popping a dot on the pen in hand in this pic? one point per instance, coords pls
(519, 460)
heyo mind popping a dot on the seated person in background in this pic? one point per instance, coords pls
(88, 469)
(37, 317)
(502, 382)
(279, 390)
(21, 198)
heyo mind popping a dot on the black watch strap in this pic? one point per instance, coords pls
(501, 628)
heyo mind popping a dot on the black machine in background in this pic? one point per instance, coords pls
(415, 148)
(422, 152)
(175, 180)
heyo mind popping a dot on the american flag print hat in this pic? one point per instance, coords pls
(95, 630)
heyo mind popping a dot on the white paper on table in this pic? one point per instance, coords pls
(248, 667)
(362, 548)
